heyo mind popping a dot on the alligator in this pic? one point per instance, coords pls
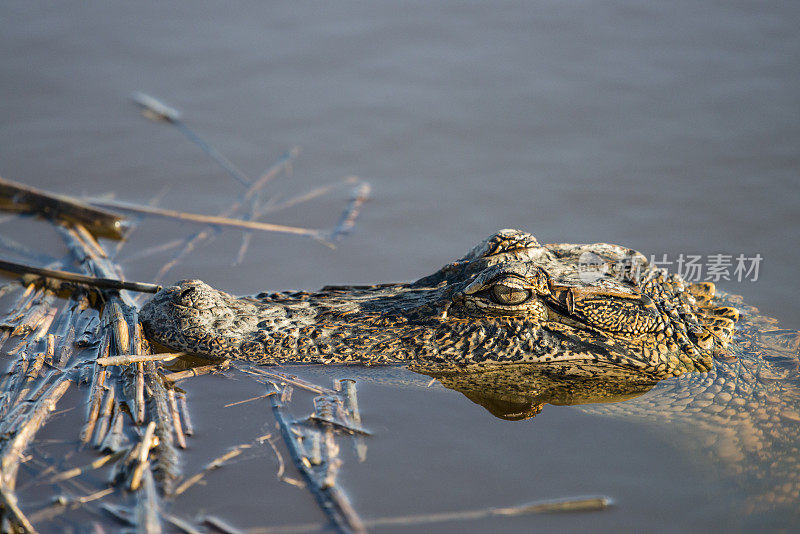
(515, 324)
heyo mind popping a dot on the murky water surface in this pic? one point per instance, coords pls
(670, 128)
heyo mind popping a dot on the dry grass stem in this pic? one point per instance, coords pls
(214, 220)
(125, 359)
(22, 198)
(188, 429)
(348, 219)
(96, 464)
(333, 502)
(105, 416)
(196, 371)
(145, 445)
(15, 514)
(100, 283)
(176, 418)
(11, 451)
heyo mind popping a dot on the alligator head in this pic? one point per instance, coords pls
(509, 300)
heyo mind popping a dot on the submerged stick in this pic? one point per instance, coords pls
(19, 197)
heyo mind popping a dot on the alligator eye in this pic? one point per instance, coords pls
(509, 293)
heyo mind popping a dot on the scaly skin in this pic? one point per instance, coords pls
(514, 325)
(509, 300)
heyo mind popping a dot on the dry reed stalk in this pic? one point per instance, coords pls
(95, 396)
(145, 445)
(154, 109)
(290, 379)
(22, 198)
(578, 504)
(348, 219)
(351, 403)
(191, 242)
(210, 466)
(119, 327)
(176, 418)
(306, 197)
(105, 416)
(30, 376)
(90, 241)
(32, 316)
(56, 274)
(213, 220)
(181, 524)
(237, 403)
(125, 359)
(26, 253)
(12, 451)
(60, 506)
(15, 375)
(333, 503)
(91, 466)
(196, 371)
(115, 437)
(188, 429)
(218, 525)
(140, 406)
(148, 518)
(23, 301)
(13, 512)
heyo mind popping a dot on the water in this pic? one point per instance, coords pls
(672, 129)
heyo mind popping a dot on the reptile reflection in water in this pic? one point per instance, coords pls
(517, 392)
(514, 324)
